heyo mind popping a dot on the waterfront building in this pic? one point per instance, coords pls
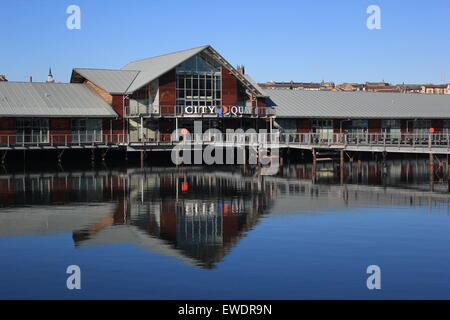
(329, 113)
(158, 95)
(137, 107)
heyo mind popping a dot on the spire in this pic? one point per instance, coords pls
(50, 76)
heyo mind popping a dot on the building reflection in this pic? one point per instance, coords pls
(194, 214)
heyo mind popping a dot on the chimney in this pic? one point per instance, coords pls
(241, 69)
(31, 78)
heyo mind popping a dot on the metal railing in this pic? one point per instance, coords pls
(368, 139)
(139, 109)
(403, 140)
(66, 140)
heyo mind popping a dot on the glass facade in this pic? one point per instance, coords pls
(422, 127)
(446, 126)
(199, 82)
(391, 127)
(86, 130)
(32, 130)
(359, 126)
(324, 128)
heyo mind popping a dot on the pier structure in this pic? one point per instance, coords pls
(140, 106)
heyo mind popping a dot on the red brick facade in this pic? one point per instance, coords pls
(229, 88)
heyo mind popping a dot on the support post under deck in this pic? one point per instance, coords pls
(431, 170)
(142, 154)
(3, 156)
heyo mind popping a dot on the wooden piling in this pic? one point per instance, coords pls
(142, 158)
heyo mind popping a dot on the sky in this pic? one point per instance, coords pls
(282, 40)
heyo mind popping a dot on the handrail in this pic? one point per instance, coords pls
(79, 139)
(139, 109)
(399, 140)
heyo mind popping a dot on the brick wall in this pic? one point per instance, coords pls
(229, 88)
(167, 92)
(7, 126)
(303, 126)
(374, 126)
(60, 126)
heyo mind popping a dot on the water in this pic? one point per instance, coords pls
(226, 233)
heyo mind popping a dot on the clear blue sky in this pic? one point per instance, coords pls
(276, 40)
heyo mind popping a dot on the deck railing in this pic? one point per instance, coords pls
(139, 109)
(306, 140)
(62, 140)
(368, 139)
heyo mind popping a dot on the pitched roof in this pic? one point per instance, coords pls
(152, 68)
(39, 99)
(254, 83)
(137, 74)
(112, 81)
(358, 105)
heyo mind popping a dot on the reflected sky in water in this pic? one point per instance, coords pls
(227, 233)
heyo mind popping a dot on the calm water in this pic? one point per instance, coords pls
(203, 233)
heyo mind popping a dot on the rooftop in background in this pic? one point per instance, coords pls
(367, 86)
(357, 105)
(40, 99)
(297, 85)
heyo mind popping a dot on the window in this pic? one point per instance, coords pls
(359, 126)
(446, 127)
(391, 127)
(422, 127)
(32, 130)
(199, 82)
(324, 128)
(86, 130)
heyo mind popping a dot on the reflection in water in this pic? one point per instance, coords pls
(194, 214)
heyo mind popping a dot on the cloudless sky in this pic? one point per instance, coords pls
(279, 40)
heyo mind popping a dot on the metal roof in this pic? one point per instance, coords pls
(152, 68)
(253, 83)
(358, 105)
(40, 99)
(112, 81)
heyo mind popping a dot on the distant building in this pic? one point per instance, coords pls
(3, 77)
(435, 89)
(410, 88)
(349, 87)
(380, 87)
(311, 86)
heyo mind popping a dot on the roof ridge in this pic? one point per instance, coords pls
(102, 69)
(167, 54)
(132, 81)
(38, 82)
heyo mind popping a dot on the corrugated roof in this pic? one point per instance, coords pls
(152, 68)
(112, 81)
(253, 83)
(358, 105)
(39, 99)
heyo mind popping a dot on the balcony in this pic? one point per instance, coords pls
(52, 141)
(137, 109)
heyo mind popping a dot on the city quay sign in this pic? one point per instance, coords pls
(221, 111)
